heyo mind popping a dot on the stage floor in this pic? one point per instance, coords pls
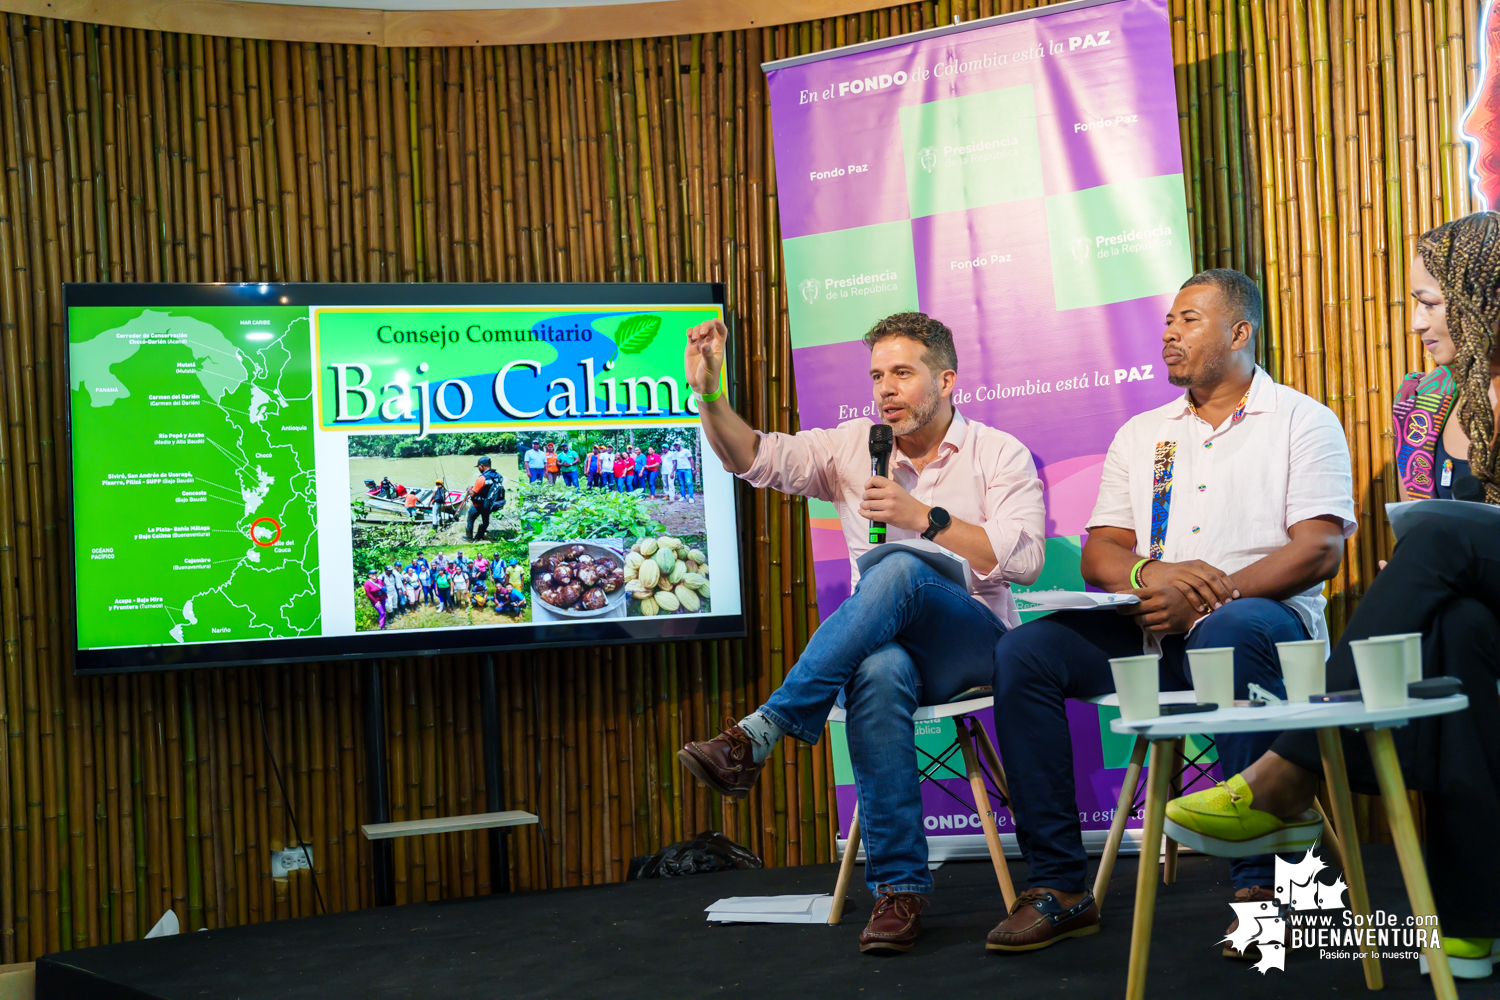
(650, 940)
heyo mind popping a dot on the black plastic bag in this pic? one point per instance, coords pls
(708, 852)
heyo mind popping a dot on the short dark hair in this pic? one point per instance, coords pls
(1239, 293)
(935, 338)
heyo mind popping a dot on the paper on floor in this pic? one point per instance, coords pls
(808, 909)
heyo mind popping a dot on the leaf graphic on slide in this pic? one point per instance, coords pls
(635, 333)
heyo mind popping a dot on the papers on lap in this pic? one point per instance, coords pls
(1410, 512)
(1071, 600)
(810, 909)
(954, 567)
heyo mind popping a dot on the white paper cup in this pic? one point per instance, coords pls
(1213, 675)
(1380, 662)
(1411, 646)
(1303, 668)
(1138, 683)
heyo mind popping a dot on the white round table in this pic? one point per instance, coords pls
(1327, 719)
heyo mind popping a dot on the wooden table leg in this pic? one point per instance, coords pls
(1117, 825)
(1169, 868)
(1330, 836)
(1157, 781)
(846, 870)
(1332, 750)
(1409, 853)
(982, 804)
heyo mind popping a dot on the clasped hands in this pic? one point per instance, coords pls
(1175, 595)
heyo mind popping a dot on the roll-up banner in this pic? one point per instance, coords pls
(1020, 179)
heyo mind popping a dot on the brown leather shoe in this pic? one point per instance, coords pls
(725, 763)
(1254, 894)
(1038, 919)
(895, 923)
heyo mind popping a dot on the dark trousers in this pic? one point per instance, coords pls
(1443, 580)
(1066, 655)
(483, 517)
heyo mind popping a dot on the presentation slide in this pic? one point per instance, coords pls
(285, 478)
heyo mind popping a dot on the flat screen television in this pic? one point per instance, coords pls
(283, 472)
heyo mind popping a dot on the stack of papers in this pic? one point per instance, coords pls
(952, 565)
(772, 909)
(1070, 600)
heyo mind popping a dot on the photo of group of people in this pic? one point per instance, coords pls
(667, 472)
(478, 589)
(444, 528)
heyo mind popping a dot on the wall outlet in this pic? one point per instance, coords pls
(283, 862)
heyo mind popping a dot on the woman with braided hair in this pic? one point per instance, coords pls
(1443, 580)
(1454, 310)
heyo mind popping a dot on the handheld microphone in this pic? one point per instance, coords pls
(1464, 487)
(882, 440)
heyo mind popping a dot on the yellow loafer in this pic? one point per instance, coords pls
(1221, 822)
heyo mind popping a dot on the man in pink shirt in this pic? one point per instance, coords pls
(908, 635)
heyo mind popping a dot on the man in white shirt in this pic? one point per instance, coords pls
(908, 635)
(1224, 511)
(684, 461)
(669, 471)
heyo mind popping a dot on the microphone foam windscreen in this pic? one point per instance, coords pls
(882, 438)
(1468, 488)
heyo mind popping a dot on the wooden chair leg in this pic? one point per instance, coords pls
(1332, 750)
(846, 870)
(992, 758)
(1117, 825)
(1158, 779)
(1409, 853)
(1169, 869)
(982, 804)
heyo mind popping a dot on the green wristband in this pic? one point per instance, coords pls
(717, 394)
(1135, 572)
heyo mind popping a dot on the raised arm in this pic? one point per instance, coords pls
(731, 438)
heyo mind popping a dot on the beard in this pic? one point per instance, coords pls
(1209, 374)
(921, 413)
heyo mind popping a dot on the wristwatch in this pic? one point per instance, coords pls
(937, 520)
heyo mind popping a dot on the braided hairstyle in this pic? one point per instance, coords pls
(1464, 257)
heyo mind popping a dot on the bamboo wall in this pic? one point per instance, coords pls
(139, 156)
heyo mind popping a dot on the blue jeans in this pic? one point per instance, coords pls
(1066, 655)
(906, 637)
(571, 478)
(536, 474)
(685, 483)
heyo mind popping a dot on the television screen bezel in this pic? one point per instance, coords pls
(399, 643)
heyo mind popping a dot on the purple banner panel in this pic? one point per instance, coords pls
(1019, 178)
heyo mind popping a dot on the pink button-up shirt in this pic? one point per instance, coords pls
(981, 475)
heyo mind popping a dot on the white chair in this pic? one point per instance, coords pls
(972, 741)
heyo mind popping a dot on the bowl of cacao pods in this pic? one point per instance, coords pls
(579, 579)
